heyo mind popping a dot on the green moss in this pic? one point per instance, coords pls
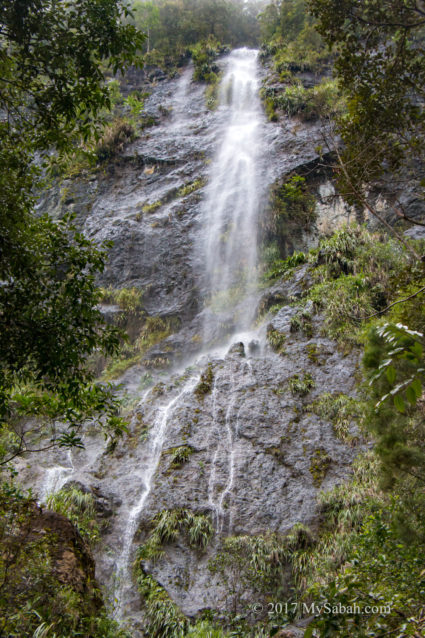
(319, 466)
(151, 208)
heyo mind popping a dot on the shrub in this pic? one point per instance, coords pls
(301, 386)
(79, 507)
(115, 136)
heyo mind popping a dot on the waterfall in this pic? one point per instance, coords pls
(125, 590)
(234, 191)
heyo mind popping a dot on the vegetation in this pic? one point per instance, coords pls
(36, 596)
(373, 524)
(173, 27)
(276, 339)
(288, 34)
(321, 101)
(380, 48)
(128, 299)
(356, 274)
(164, 617)
(79, 508)
(291, 210)
(342, 410)
(205, 383)
(166, 527)
(149, 331)
(53, 92)
(301, 385)
(179, 456)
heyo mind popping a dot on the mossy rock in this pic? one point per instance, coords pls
(319, 466)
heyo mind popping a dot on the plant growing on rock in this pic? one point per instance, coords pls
(166, 527)
(342, 410)
(206, 382)
(319, 465)
(165, 620)
(301, 385)
(276, 340)
(79, 508)
(179, 456)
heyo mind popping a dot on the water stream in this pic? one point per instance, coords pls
(144, 479)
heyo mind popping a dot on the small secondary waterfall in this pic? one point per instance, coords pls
(155, 444)
(234, 189)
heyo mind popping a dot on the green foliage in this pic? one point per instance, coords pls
(403, 351)
(179, 456)
(153, 330)
(319, 465)
(283, 267)
(301, 321)
(79, 508)
(34, 598)
(167, 526)
(321, 101)
(289, 35)
(291, 210)
(165, 620)
(341, 410)
(380, 49)
(383, 577)
(301, 385)
(393, 362)
(203, 56)
(53, 91)
(204, 629)
(128, 299)
(259, 564)
(43, 369)
(114, 137)
(174, 26)
(205, 383)
(187, 189)
(276, 340)
(355, 274)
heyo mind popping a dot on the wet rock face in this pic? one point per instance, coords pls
(149, 201)
(259, 454)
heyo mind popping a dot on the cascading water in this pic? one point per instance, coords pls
(144, 479)
(234, 191)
